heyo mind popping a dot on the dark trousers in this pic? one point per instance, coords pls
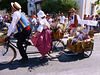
(21, 39)
(1, 24)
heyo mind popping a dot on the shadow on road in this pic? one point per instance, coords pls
(31, 64)
(36, 62)
(70, 58)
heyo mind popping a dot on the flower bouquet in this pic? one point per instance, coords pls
(57, 30)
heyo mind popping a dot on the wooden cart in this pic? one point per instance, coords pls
(85, 48)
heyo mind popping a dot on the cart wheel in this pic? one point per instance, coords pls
(57, 49)
(87, 52)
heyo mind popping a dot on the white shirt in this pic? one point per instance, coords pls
(78, 18)
(44, 25)
(50, 20)
(12, 28)
(62, 19)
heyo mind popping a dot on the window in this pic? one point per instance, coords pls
(92, 9)
(30, 5)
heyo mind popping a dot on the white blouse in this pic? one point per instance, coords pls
(43, 25)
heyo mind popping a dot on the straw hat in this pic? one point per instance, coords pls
(72, 10)
(16, 5)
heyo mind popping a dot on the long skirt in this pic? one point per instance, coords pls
(43, 41)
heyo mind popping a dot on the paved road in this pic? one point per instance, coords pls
(65, 65)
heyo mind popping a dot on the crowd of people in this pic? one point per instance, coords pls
(50, 19)
(93, 18)
(5, 19)
(62, 19)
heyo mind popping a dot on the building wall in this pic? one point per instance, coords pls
(87, 7)
(32, 7)
(81, 9)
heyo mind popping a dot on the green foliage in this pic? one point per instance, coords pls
(64, 6)
(98, 5)
(50, 6)
(99, 12)
(6, 4)
(97, 2)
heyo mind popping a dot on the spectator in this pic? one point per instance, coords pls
(97, 17)
(50, 19)
(1, 21)
(62, 19)
(66, 19)
(6, 18)
(32, 20)
(88, 18)
(92, 18)
(56, 18)
(89, 27)
(85, 18)
(47, 17)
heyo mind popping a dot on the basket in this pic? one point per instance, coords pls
(88, 44)
(2, 41)
(91, 34)
(57, 35)
(79, 46)
(69, 44)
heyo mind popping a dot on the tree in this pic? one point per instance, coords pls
(98, 5)
(50, 6)
(6, 4)
(99, 11)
